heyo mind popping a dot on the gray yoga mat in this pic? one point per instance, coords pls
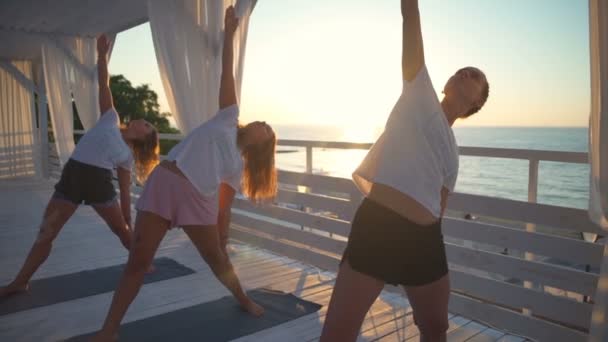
(71, 286)
(219, 320)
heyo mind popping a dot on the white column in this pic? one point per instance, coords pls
(598, 152)
(43, 134)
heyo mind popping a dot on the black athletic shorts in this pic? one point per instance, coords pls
(391, 248)
(84, 183)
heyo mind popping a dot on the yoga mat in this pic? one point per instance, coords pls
(219, 320)
(71, 286)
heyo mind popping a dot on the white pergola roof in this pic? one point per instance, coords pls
(23, 23)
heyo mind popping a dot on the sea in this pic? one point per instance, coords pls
(563, 184)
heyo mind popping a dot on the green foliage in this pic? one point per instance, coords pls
(138, 102)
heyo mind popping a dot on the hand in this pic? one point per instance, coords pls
(127, 217)
(103, 45)
(253, 308)
(231, 22)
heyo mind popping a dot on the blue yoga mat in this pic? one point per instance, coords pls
(219, 320)
(72, 286)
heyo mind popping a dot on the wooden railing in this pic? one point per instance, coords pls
(503, 271)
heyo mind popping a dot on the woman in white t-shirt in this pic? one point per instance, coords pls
(87, 176)
(194, 189)
(406, 177)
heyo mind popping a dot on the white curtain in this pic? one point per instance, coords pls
(84, 84)
(70, 69)
(188, 39)
(598, 122)
(18, 149)
(57, 80)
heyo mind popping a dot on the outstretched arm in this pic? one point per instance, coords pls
(105, 95)
(227, 86)
(413, 51)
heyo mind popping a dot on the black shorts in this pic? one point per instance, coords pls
(391, 248)
(84, 183)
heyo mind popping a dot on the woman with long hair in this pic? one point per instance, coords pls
(86, 178)
(194, 189)
(406, 178)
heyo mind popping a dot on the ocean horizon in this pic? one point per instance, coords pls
(563, 184)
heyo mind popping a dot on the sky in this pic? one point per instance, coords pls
(338, 62)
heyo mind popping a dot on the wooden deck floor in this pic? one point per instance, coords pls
(86, 243)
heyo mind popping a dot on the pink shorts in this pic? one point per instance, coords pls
(175, 199)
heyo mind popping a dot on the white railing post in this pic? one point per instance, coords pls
(532, 198)
(43, 129)
(309, 159)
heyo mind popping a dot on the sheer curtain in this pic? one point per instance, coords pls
(70, 69)
(84, 84)
(188, 39)
(57, 81)
(18, 150)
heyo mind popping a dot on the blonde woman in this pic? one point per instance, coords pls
(194, 189)
(87, 176)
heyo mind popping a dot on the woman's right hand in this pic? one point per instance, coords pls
(253, 308)
(231, 22)
(103, 45)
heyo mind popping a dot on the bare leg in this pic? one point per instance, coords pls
(352, 297)
(112, 215)
(56, 214)
(149, 231)
(207, 242)
(430, 305)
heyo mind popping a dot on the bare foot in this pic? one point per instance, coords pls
(13, 289)
(253, 308)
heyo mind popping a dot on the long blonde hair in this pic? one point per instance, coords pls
(259, 182)
(146, 154)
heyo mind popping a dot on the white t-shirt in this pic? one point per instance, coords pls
(417, 153)
(209, 155)
(103, 145)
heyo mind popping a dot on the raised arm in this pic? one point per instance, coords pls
(227, 86)
(412, 58)
(103, 77)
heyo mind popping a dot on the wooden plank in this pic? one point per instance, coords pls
(546, 274)
(512, 321)
(543, 214)
(279, 232)
(329, 225)
(577, 251)
(411, 332)
(540, 303)
(344, 208)
(488, 335)
(326, 183)
(302, 254)
(465, 332)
